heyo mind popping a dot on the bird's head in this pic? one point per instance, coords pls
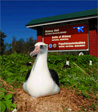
(40, 48)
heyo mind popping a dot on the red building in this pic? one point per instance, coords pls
(69, 32)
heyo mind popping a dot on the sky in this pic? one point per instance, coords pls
(15, 14)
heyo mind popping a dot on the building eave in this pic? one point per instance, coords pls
(62, 21)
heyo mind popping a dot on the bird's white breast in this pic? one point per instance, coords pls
(40, 82)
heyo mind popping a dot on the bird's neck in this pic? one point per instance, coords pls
(41, 62)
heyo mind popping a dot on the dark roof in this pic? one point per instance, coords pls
(64, 17)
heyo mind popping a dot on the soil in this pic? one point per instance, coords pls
(66, 101)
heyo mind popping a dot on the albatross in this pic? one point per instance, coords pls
(40, 80)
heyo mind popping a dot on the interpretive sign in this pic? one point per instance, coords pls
(71, 37)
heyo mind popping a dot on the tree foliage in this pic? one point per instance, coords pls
(20, 46)
(2, 46)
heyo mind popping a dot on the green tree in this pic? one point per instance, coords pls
(8, 48)
(20, 46)
(13, 44)
(29, 45)
(2, 46)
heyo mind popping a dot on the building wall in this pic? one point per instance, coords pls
(93, 43)
(39, 34)
(93, 38)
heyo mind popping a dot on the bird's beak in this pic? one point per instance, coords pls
(35, 51)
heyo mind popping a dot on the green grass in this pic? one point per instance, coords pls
(80, 75)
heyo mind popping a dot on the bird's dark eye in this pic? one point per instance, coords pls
(41, 46)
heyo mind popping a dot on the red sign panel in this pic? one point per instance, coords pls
(72, 37)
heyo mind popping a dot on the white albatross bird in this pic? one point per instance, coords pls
(41, 81)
